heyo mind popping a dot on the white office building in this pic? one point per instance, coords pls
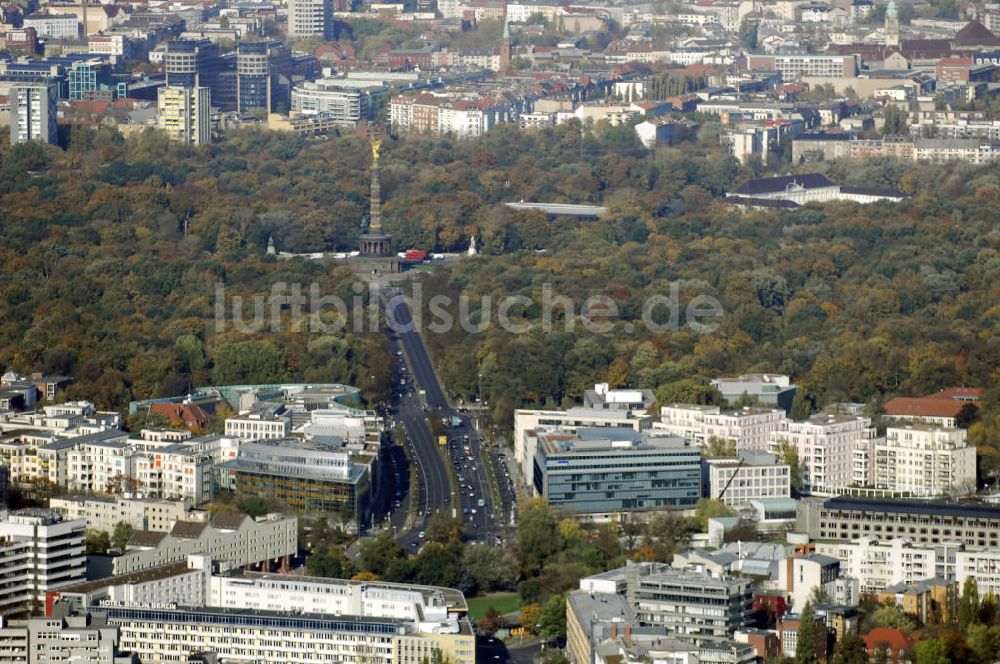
(750, 476)
(926, 461)
(527, 421)
(333, 98)
(262, 424)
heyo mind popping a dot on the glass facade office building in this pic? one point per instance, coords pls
(598, 470)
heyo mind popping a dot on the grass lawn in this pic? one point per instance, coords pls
(501, 602)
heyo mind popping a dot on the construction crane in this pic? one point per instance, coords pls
(731, 478)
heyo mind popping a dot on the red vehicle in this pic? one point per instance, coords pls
(415, 255)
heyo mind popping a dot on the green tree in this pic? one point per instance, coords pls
(709, 508)
(801, 407)
(531, 616)
(492, 568)
(96, 541)
(716, 447)
(490, 623)
(932, 651)
(537, 538)
(688, 390)
(892, 616)
(330, 561)
(552, 618)
(789, 453)
(968, 605)
(984, 642)
(850, 650)
(378, 555)
(442, 527)
(808, 639)
(121, 536)
(894, 121)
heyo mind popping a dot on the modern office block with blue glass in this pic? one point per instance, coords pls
(601, 470)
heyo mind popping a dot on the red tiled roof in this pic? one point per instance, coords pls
(946, 403)
(958, 394)
(181, 413)
(895, 639)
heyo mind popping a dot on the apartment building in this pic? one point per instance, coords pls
(33, 113)
(789, 626)
(158, 515)
(73, 418)
(606, 471)
(527, 421)
(802, 576)
(439, 114)
(53, 26)
(982, 565)
(878, 565)
(826, 445)
(185, 114)
(925, 461)
(923, 522)
(310, 18)
(685, 420)
(110, 462)
(943, 150)
(747, 428)
(751, 475)
(234, 538)
(928, 599)
(39, 552)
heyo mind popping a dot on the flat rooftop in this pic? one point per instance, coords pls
(561, 209)
(607, 440)
(453, 598)
(936, 507)
(145, 576)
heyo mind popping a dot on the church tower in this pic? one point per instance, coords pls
(505, 46)
(891, 25)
